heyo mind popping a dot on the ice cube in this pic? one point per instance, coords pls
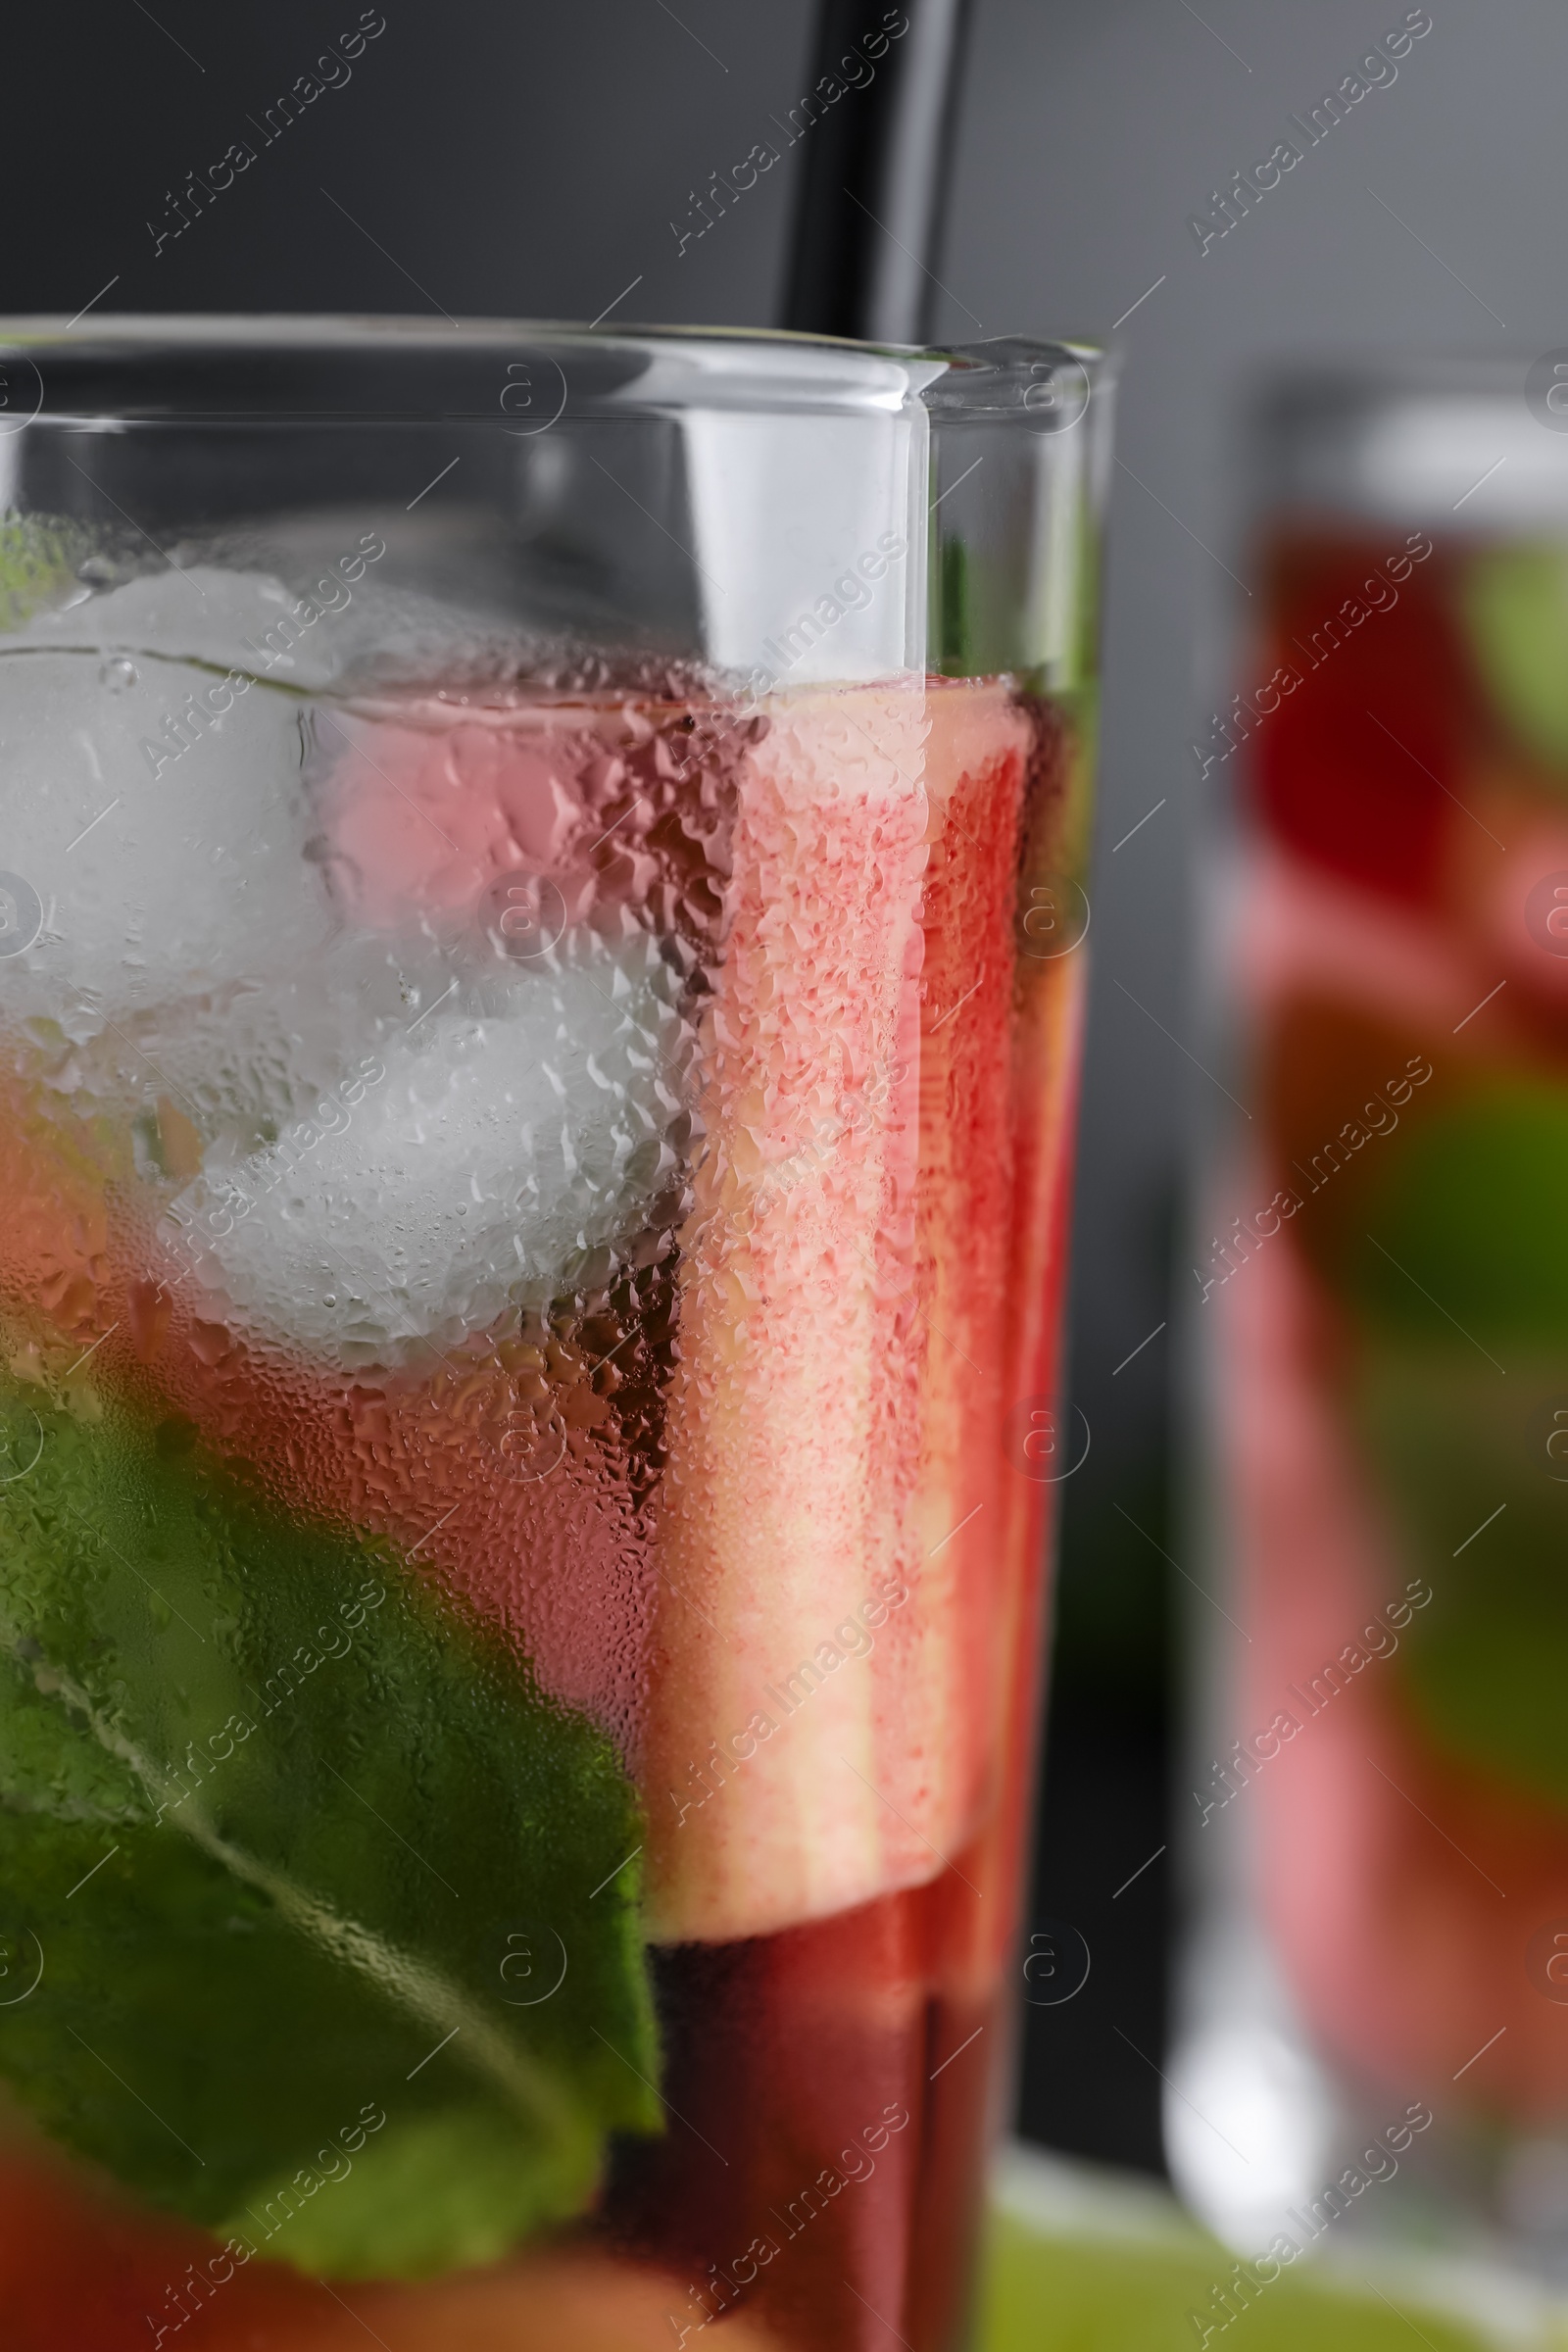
(246, 621)
(167, 848)
(341, 619)
(466, 1166)
(239, 1063)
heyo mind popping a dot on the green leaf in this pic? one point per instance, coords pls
(1515, 605)
(38, 559)
(297, 1843)
(1461, 1455)
(1465, 1230)
(1459, 1284)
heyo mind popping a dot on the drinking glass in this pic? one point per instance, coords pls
(1376, 2037)
(539, 995)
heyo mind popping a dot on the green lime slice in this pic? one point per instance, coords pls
(1086, 2282)
(1514, 603)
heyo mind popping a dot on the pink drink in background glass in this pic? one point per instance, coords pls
(1388, 1305)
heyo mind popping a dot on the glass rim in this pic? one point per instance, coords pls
(1471, 441)
(194, 368)
(1391, 371)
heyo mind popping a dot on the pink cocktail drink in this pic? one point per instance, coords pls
(523, 1583)
(1390, 1318)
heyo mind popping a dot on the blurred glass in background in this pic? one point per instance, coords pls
(1373, 1997)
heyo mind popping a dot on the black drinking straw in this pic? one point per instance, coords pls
(874, 168)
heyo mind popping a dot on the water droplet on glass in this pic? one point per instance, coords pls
(119, 675)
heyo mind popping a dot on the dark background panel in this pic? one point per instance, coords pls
(476, 158)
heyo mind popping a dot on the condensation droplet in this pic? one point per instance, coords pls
(119, 675)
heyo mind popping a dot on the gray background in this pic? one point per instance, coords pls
(494, 160)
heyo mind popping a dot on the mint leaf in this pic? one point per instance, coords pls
(1515, 605)
(433, 2196)
(1456, 1269)
(335, 1835)
(1463, 1221)
(38, 559)
(1484, 1663)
